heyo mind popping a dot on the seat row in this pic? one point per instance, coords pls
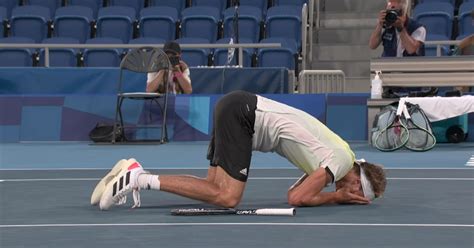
(285, 56)
(179, 5)
(154, 22)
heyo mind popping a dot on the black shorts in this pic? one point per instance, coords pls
(233, 129)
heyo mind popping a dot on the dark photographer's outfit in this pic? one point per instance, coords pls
(392, 48)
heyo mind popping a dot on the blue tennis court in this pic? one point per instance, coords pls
(46, 189)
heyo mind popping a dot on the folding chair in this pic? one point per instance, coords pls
(142, 60)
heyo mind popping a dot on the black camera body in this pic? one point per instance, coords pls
(174, 60)
(392, 16)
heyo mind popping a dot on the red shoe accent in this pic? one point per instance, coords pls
(133, 166)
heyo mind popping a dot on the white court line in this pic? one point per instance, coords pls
(250, 178)
(238, 224)
(470, 162)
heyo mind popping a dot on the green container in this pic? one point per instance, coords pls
(440, 128)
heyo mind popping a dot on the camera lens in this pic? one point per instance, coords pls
(391, 17)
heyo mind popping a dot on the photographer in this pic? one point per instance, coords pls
(401, 36)
(178, 78)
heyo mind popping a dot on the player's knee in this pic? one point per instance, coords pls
(228, 200)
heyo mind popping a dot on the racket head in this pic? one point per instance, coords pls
(393, 137)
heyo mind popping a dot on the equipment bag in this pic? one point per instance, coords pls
(104, 133)
(410, 129)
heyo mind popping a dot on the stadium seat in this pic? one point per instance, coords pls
(147, 40)
(466, 26)
(116, 22)
(102, 57)
(250, 19)
(289, 2)
(3, 17)
(179, 5)
(158, 22)
(284, 22)
(430, 50)
(200, 22)
(195, 56)
(73, 22)
(452, 2)
(95, 5)
(9, 5)
(437, 17)
(219, 4)
(16, 57)
(31, 22)
(260, 4)
(60, 57)
(221, 54)
(136, 4)
(52, 5)
(278, 57)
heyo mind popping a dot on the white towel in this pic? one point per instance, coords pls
(440, 108)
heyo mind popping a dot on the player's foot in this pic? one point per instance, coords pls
(100, 187)
(121, 185)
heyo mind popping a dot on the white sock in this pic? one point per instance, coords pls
(149, 181)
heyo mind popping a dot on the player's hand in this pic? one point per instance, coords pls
(382, 15)
(347, 197)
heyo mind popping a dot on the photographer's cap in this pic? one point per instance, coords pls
(172, 47)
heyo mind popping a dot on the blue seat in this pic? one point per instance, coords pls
(195, 56)
(452, 2)
(221, 54)
(260, 4)
(278, 57)
(11, 57)
(147, 40)
(466, 26)
(60, 57)
(289, 2)
(250, 19)
(116, 22)
(103, 57)
(95, 5)
(179, 5)
(3, 17)
(200, 22)
(30, 22)
(437, 17)
(284, 22)
(158, 22)
(136, 4)
(430, 50)
(73, 22)
(52, 5)
(9, 5)
(219, 4)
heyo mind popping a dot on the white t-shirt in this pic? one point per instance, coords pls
(300, 138)
(419, 34)
(172, 87)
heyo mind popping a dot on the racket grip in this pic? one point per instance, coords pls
(276, 211)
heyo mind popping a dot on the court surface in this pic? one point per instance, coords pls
(45, 192)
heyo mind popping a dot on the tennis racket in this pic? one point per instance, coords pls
(231, 211)
(394, 136)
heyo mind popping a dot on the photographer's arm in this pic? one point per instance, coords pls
(155, 83)
(376, 36)
(183, 80)
(410, 44)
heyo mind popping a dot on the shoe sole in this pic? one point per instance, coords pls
(100, 187)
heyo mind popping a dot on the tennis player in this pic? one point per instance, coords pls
(244, 122)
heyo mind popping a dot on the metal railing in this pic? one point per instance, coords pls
(440, 43)
(321, 81)
(47, 47)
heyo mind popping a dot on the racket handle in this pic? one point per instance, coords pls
(276, 211)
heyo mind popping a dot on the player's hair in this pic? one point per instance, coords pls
(375, 174)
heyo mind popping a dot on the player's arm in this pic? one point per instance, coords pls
(307, 190)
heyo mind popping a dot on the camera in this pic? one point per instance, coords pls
(174, 60)
(392, 16)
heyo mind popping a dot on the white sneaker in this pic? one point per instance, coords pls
(121, 185)
(100, 187)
